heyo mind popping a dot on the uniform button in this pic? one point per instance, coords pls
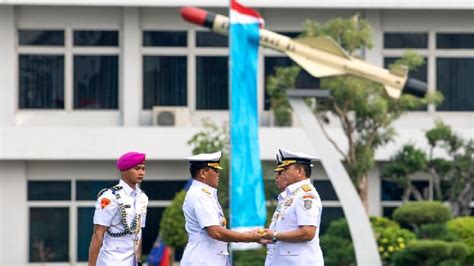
(289, 252)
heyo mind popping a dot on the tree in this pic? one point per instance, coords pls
(452, 175)
(365, 112)
(401, 168)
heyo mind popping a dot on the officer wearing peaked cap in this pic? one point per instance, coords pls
(205, 220)
(296, 229)
(119, 216)
(281, 183)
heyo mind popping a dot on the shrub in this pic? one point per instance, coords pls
(463, 227)
(392, 240)
(339, 228)
(431, 253)
(337, 251)
(172, 228)
(382, 223)
(337, 244)
(436, 231)
(422, 212)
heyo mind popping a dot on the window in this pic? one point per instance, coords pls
(401, 40)
(212, 88)
(211, 39)
(391, 191)
(453, 64)
(455, 40)
(454, 78)
(41, 37)
(165, 38)
(41, 82)
(49, 190)
(325, 190)
(164, 81)
(49, 234)
(53, 204)
(95, 38)
(95, 82)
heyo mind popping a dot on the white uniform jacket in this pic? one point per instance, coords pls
(302, 206)
(202, 209)
(271, 247)
(119, 250)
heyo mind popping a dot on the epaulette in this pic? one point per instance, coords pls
(206, 190)
(114, 189)
(306, 188)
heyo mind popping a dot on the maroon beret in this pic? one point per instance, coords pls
(130, 160)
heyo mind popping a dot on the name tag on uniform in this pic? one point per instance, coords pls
(127, 206)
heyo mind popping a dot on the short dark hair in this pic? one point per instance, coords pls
(306, 168)
(195, 168)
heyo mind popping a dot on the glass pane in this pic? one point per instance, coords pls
(164, 81)
(162, 190)
(85, 218)
(165, 38)
(391, 191)
(49, 190)
(41, 82)
(388, 211)
(95, 82)
(152, 227)
(325, 190)
(303, 81)
(41, 37)
(405, 40)
(454, 78)
(455, 40)
(211, 39)
(49, 234)
(87, 190)
(330, 214)
(212, 83)
(95, 38)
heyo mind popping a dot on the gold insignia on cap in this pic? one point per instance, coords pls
(306, 188)
(286, 163)
(215, 165)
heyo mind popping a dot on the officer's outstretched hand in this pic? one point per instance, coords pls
(254, 235)
(267, 234)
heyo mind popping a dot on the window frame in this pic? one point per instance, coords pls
(431, 53)
(68, 51)
(73, 205)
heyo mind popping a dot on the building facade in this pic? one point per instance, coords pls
(81, 84)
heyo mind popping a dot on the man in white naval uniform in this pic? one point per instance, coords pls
(281, 183)
(296, 231)
(119, 216)
(205, 221)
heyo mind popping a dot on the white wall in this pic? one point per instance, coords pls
(14, 214)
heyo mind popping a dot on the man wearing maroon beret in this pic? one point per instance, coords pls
(119, 216)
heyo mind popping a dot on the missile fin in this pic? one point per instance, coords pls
(314, 68)
(393, 92)
(324, 43)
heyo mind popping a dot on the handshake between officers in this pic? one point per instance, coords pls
(293, 236)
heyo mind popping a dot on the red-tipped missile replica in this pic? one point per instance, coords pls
(319, 56)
